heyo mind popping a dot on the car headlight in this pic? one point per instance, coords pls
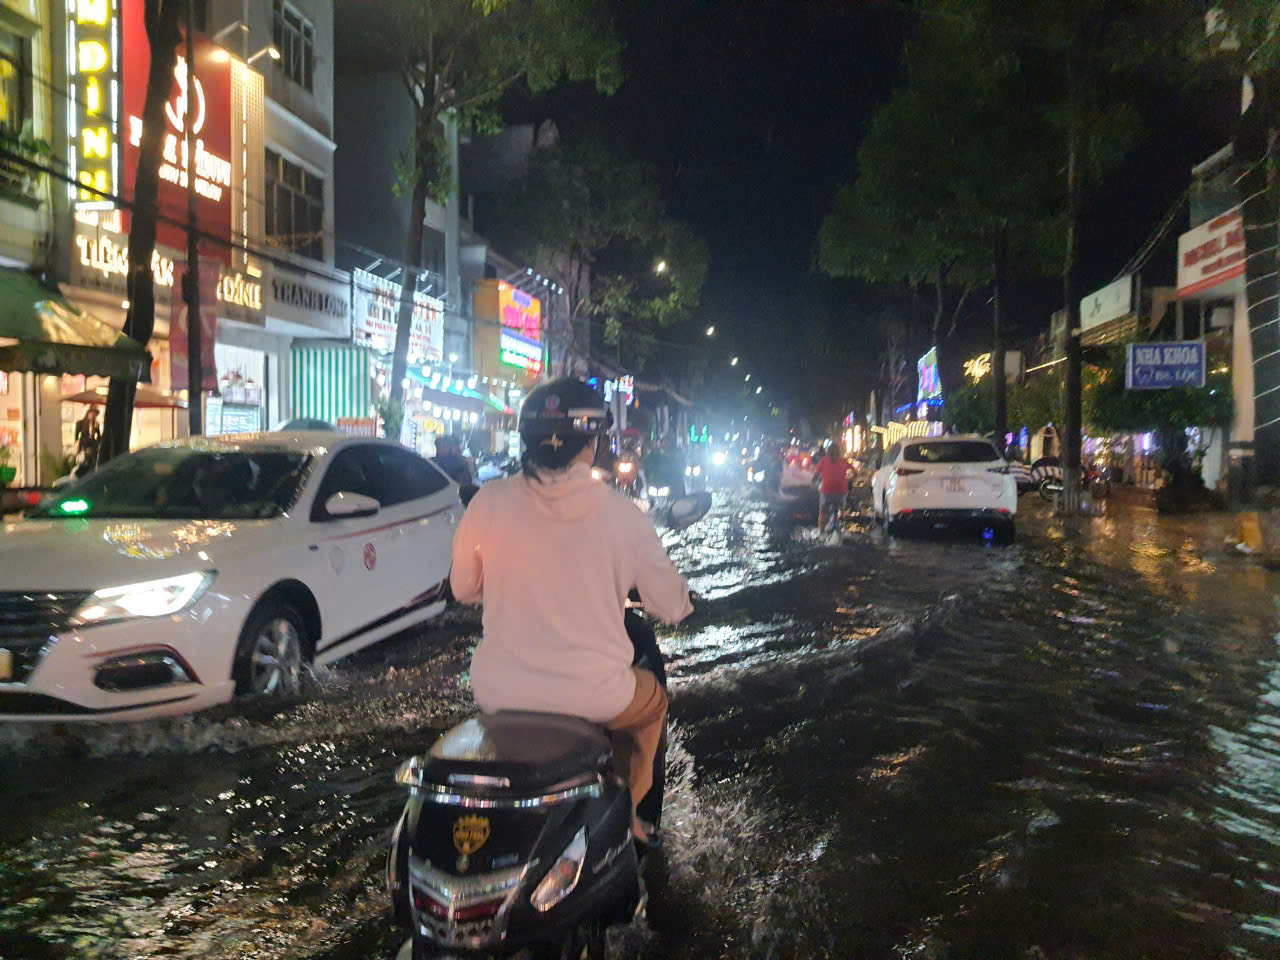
(151, 598)
(718, 458)
(759, 477)
(563, 876)
(697, 471)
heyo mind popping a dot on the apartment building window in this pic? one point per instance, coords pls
(294, 36)
(294, 207)
(13, 81)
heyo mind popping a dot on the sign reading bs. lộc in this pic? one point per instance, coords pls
(1161, 366)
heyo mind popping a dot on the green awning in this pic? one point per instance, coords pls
(41, 332)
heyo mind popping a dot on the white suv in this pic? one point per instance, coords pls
(948, 481)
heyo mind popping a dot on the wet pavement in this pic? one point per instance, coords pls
(1066, 748)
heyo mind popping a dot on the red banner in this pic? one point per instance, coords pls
(208, 94)
(179, 377)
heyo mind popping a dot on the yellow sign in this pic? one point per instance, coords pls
(470, 834)
(978, 367)
(94, 81)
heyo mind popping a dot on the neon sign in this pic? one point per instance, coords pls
(93, 74)
(519, 311)
(518, 351)
(104, 255)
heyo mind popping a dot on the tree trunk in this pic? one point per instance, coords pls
(1072, 428)
(161, 19)
(409, 281)
(1256, 146)
(999, 264)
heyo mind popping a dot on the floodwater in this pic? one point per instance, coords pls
(1067, 748)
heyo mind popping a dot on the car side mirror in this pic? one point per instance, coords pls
(347, 504)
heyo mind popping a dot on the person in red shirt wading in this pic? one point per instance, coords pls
(834, 472)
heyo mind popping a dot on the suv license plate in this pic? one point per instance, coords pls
(6, 665)
(953, 485)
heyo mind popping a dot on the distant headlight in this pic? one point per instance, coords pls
(625, 467)
(688, 471)
(151, 598)
(759, 477)
(697, 471)
(718, 458)
(597, 473)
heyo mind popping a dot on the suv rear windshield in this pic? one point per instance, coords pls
(950, 451)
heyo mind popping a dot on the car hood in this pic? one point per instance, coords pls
(83, 554)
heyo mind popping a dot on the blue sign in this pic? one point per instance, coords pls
(1160, 366)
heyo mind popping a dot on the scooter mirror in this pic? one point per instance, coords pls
(688, 510)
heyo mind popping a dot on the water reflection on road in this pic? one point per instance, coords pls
(1064, 748)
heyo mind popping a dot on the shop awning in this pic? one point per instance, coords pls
(40, 332)
(458, 395)
(332, 382)
(147, 397)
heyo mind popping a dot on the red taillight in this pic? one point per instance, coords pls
(30, 498)
(425, 903)
(906, 471)
(806, 462)
(1003, 510)
(791, 461)
(903, 513)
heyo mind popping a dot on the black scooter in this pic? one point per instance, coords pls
(516, 837)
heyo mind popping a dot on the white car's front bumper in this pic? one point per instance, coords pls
(127, 670)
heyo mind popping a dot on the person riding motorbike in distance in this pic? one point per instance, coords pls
(552, 555)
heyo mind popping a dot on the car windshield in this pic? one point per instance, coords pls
(184, 483)
(950, 451)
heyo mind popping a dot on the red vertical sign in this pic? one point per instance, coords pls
(208, 96)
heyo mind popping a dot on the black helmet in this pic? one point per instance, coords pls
(563, 406)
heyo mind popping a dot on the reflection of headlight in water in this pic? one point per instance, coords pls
(718, 458)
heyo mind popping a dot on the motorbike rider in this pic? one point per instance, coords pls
(449, 458)
(552, 555)
(832, 470)
(629, 452)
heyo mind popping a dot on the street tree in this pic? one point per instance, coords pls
(1083, 60)
(954, 182)
(162, 19)
(455, 59)
(573, 203)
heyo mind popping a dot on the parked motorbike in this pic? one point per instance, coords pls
(516, 836)
(1091, 479)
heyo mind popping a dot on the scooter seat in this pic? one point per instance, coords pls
(529, 751)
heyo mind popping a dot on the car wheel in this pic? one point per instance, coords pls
(272, 649)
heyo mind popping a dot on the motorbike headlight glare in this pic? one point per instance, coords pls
(718, 458)
(151, 598)
(697, 471)
(597, 473)
(563, 876)
(688, 471)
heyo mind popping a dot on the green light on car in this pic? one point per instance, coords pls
(74, 507)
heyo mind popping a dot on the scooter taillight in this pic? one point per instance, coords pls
(425, 903)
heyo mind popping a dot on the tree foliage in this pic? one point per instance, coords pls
(1110, 408)
(596, 221)
(455, 59)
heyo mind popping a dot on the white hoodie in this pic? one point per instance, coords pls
(553, 560)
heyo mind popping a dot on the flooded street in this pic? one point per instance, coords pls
(1065, 749)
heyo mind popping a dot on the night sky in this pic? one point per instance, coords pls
(753, 111)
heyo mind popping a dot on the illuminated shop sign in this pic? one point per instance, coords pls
(107, 257)
(93, 83)
(200, 95)
(375, 315)
(517, 351)
(519, 311)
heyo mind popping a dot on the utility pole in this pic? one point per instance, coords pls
(191, 288)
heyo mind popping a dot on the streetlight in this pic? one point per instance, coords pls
(267, 51)
(733, 362)
(711, 331)
(660, 267)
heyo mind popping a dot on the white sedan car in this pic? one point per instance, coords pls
(948, 481)
(188, 573)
